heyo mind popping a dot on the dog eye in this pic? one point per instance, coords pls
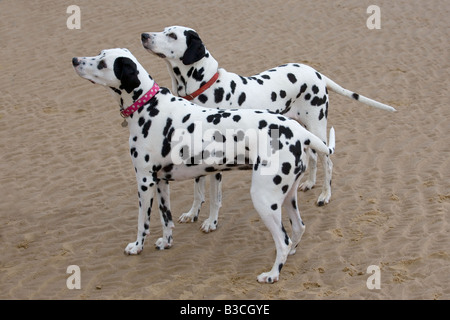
(172, 35)
(101, 65)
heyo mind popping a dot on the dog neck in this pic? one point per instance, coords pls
(130, 100)
(186, 79)
(125, 113)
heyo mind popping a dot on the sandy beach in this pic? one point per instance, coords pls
(68, 188)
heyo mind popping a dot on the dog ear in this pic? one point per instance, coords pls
(126, 71)
(195, 48)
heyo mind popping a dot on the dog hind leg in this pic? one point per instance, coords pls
(269, 209)
(325, 196)
(312, 170)
(291, 207)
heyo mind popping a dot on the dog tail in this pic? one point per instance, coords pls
(320, 146)
(347, 93)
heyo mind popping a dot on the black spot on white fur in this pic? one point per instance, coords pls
(292, 78)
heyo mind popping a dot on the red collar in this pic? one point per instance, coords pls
(140, 102)
(202, 89)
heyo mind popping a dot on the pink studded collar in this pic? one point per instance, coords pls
(140, 102)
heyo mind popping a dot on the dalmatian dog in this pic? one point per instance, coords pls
(173, 139)
(294, 90)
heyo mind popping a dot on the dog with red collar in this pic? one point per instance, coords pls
(173, 139)
(294, 90)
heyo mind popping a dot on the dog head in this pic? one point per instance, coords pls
(114, 68)
(175, 43)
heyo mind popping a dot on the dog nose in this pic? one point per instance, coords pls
(75, 62)
(144, 36)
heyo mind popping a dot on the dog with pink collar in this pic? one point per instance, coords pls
(163, 148)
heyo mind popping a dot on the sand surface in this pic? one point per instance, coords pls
(68, 189)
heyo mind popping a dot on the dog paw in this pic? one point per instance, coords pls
(188, 217)
(307, 185)
(268, 277)
(324, 199)
(209, 225)
(162, 244)
(133, 248)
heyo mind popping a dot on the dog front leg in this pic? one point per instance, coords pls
(215, 192)
(146, 193)
(163, 193)
(199, 198)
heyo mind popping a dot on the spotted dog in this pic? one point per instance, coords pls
(163, 128)
(294, 90)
